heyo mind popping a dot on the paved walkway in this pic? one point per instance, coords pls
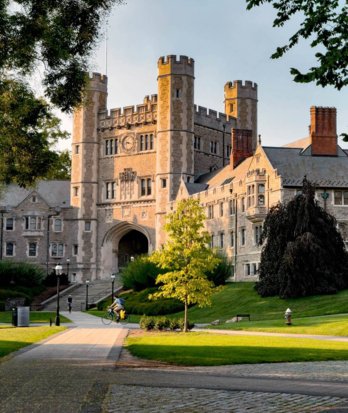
(75, 371)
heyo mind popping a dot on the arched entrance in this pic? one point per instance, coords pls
(132, 244)
(119, 244)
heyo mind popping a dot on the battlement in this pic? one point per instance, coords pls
(173, 59)
(213, 119)
(98, 77)
(212, 114)
(248, 84)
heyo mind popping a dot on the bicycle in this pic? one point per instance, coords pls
(110, 316)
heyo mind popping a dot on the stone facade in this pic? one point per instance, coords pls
(130, 166)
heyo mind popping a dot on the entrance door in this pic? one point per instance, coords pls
(132, 244)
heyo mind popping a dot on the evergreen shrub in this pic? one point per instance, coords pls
(221, 272)
(13, 274)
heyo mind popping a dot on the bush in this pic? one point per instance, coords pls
(221, 272)
(162, 323)
(147, 323)
(14, 274)
(140, 274)
(51, 279)
(139, 303)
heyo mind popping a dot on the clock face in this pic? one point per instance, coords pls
(128, 143)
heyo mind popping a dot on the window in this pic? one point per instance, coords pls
(228, 150)
(242, 204)
(111, 146)
(9, 252)
(57, 249)
(232, 239)
(177, 93)
(231, 107)
(261, 195)
(115, 146)
(32, 249)
(58, 225)
(9, 224)
(247, 269)
(88, 226)
(32, 223)
(76, 191)
(75, 249)
(77, 149)
(146, 142)
(257, 234)
(145, 186)
(210, 211)
(163, 183)
(221, 235)
(254, 268)
(34, 199)
(110, 190)
(221, 209)
(250, 195)
(231, 207)
(341, 197)
(197, 143)
(213, 147)
(242, 236)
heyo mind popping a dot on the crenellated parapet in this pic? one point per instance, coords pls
(248, 89)
(213, 119)
(173, 59)
(142, 114)
(171, 64)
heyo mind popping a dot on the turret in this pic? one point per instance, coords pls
(84, 170)
(175, 130)
(241, 103)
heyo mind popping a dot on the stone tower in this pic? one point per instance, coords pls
(84, 170)
(241, 103)
(175, 132)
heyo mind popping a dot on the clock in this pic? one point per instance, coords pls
(128, 143)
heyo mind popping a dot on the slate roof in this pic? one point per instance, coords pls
(55, 193)
(293, 163)
(193, 188)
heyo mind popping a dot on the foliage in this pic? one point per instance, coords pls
(325, 23)
(28, 129)
(221, 272)
(140, 274)
(163, 323)
(304, 253)
(207, 349)
(59, 34)
(13, 275)
(51, 279)
(186, 256)
(139, 303)
(60, 169)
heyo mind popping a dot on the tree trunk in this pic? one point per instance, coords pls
(185, 317)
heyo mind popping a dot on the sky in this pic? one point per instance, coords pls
(227, 43)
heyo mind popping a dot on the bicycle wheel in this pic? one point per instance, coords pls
(107, 318)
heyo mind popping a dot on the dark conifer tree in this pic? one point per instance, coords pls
(303, 252)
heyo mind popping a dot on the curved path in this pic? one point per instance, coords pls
(75, 371)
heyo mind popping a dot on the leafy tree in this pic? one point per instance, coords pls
(187, 257)
(325, 23)
(28, 129)
(303, 253)
(61, 168)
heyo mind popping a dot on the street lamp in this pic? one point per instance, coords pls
(113, 276)
(58, 269)
(3, 211)
(87, 285)
(67, 267)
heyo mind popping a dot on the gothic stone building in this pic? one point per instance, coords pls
(130, 166)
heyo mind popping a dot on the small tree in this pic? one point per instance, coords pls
(187, 257)
(304, 253)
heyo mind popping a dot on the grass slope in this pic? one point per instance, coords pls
(236, 298)
(200, 349)
(35, 317)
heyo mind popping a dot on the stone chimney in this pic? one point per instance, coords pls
(241, 146)
(323, 133)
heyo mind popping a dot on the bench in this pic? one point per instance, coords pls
(242, 316)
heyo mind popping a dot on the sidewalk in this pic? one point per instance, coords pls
(59, 374)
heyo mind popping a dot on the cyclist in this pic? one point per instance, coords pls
(117, 306)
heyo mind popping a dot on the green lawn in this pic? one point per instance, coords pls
(35, 317)
(236, 298)
(204, 349)
(12, 339)
(335, 325)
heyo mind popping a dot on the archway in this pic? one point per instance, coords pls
(132, 244)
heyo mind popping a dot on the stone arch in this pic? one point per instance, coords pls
(133, 239)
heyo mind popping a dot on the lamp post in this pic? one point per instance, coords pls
(112, 286)
(325, 196)
(87, 285)
(58, 269)
(67, 267)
